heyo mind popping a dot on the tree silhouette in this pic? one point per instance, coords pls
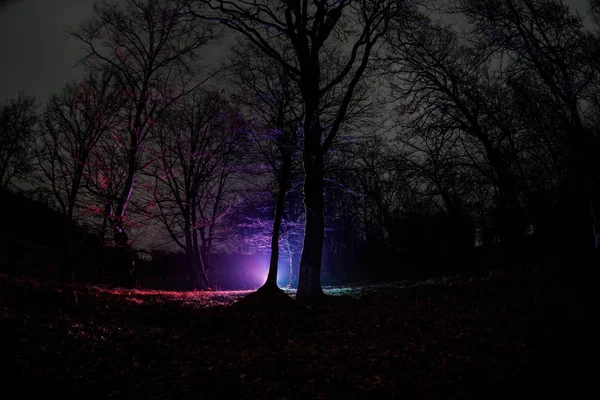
(74, 122)
(450, 92)
(199, 150)
(546, 39)
(274, 100)
(152, 45)
(18, 119)
(331, 44)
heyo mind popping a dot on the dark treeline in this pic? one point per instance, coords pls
(354, 140)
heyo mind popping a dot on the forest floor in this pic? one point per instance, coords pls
(498, 336)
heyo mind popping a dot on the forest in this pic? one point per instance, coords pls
(427, 168)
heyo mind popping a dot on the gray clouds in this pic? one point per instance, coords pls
(35, 55)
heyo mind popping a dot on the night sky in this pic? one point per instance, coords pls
(35, 55)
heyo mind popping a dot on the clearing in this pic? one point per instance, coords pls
(498, 336)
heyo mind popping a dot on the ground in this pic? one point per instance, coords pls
(498, 336)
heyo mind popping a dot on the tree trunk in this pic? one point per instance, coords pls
(191, 259)
(192, 269)
(201, 265)
(273, 264)
(512, 220)
(67, 265)
(582, 186)
(279, 207)
(66, 269)
(578, 235)
(309, 279)
(120, 235)
(201, 261)
(291, 264)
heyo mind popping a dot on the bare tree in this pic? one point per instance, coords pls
(446, 88)
(331, 45)
(152, 45)
(18, 119)
(274, 100)
(546, 38)
(222, 196)
(199, 149)
(74, 121)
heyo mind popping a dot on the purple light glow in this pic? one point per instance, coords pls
(239, 272)
(257, 272)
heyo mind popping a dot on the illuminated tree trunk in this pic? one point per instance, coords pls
(206, 239)
(290, 264)
(194, 261)
(194, 249)
(308, 29)
(121, 237)
(309, 279)
(282, 191)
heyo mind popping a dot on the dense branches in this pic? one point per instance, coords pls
(318, 34)
(274, 100)
(152, 46)
(200, 150)
(75, 121)
(18, 121)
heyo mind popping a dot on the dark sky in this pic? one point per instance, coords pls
(34, 54)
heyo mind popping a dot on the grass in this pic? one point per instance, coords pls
(502, 336)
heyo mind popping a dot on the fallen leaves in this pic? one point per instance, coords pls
(478, 339)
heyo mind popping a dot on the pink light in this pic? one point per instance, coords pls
(258, 272)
